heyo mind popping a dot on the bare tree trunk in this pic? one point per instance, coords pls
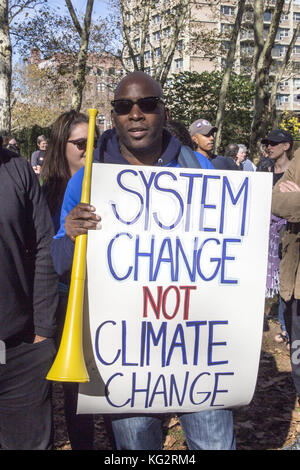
(5, 69)
(126, 35)
(84, 33)
(258, 35)
(167, 57)
(227, 73)
(262, 97)
(146, 19)
(279, 76)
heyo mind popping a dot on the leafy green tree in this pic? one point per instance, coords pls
(195, 95)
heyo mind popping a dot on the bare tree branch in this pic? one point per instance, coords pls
(227, 73)
(74, 16)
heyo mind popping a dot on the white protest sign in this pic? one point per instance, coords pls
(176, 288)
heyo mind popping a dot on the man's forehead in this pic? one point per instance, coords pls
(137, 85)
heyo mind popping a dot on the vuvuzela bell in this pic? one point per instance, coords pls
(69, 364)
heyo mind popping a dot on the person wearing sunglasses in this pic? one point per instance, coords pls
(65, 155)
(138, 137)
(279, 144)
(279, 147)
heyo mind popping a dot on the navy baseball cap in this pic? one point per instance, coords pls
(278, 135)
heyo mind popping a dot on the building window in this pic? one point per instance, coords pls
(296, 50)
(279, 50)
(156, 19)
(247, 49)
(297, 83)
(246, 34)
(167, 32)
(227, 10)
(179, 63)
(156, 35)
(283, 84)
(157, 52)
(267, 16)
(296, 16)
(100, 87)
(266, 31)
(226, 28)
(282, 99)
(179, 45)
(297, 98)
(282, 33)
(147, 55)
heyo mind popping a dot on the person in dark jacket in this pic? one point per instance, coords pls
(138, 137)
(231, 152)
(13, 146)
(28, 302)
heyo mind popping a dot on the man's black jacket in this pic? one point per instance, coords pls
(28, 282)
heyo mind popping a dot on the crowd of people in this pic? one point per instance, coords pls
(40, 219)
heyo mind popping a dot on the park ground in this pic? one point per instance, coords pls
(270, 422)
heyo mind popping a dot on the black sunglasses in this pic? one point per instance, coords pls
(272, 143)
(81, 143)
(146, 105)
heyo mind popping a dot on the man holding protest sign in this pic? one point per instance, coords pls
(138, 138)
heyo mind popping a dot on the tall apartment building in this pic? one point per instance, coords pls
(217, 19)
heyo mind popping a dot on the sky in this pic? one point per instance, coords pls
(100, 6)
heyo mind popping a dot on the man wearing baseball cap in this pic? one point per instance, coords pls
(203, 135)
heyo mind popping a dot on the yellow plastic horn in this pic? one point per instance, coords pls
(69, 364)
